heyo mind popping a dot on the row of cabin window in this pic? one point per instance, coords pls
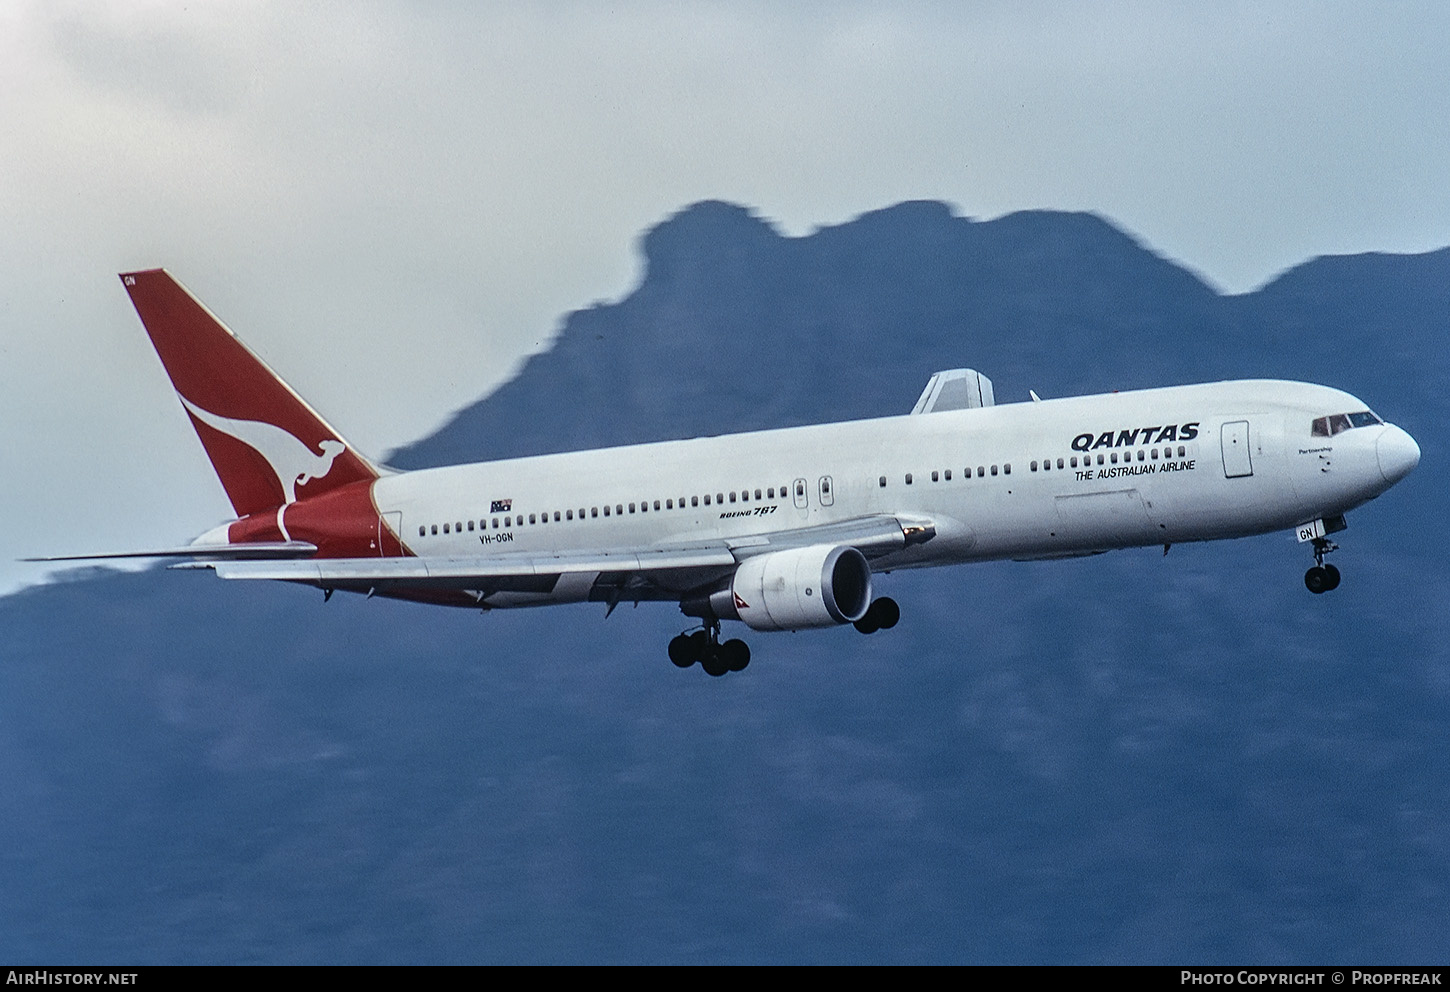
(946, 474)
(1087, 460)
(743, 496)
(1148, 454)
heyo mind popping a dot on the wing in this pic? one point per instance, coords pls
(612, 574)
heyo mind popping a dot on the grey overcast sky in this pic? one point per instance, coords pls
(394, 202)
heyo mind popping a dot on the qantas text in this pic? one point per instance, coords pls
(1128, 437)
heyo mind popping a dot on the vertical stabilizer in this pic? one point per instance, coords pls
(268, 447)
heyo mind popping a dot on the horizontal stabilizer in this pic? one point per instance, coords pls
(260, 550)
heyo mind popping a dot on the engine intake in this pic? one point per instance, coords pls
(818, 586)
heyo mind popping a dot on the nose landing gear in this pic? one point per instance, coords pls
(1322, 578)
(704, 646)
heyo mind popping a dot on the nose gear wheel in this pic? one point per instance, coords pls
(1322, 578)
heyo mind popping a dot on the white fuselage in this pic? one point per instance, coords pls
(1025, 480)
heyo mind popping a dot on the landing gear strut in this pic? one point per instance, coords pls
(1322, 578)
(704, 646)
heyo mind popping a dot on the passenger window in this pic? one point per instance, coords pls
(982, 472)
(445, 528)
(422, 531)
(908, 478)
(631, 508)
(1182, 451)
(606, 510)
(531, 517)
(732, 495)
(1033, 467)
(694, 500)
(757, 495)
(883, 482)
(594, 511)
(657, 504)
(707, 499)
(1060, 465)
(470, 525)
(1007, 469)
(934, 476)
(994, 470)
(949, 475)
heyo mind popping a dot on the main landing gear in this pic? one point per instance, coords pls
(717, 658)
(704, 646)
(1322, 578)
(882, 614)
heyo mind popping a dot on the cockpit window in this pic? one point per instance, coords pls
(1340, 422)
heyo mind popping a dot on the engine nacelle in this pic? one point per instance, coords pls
(819, 586)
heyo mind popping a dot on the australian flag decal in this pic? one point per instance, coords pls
(501, 506)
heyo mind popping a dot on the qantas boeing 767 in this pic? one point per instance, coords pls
(780, 529)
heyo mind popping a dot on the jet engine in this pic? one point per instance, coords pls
(818, 586)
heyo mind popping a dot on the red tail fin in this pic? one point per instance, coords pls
(268, 446)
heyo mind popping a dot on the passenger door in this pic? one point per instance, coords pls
(1234, 441)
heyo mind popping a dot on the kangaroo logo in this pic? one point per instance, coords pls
(294, 462)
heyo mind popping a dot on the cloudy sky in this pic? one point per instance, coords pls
(394, 202)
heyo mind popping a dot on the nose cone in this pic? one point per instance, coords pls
(1398, 454)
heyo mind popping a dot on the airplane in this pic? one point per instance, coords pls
(783, 530)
